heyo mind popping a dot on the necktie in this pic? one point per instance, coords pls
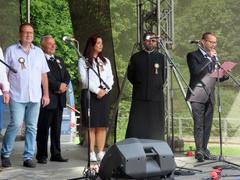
(52, 59)
(210, 68)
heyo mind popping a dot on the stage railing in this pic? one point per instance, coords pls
(230, 127)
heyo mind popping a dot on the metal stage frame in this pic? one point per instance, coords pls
(158, 16)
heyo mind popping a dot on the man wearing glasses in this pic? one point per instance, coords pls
(201, 64)
(146, 74)
(25, 94)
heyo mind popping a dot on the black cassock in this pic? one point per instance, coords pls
(146, 72)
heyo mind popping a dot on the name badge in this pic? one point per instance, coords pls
(156, 66)
(21, 60)
(59, 63)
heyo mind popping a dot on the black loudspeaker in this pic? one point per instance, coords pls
(137, 159)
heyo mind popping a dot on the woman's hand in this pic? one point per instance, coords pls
(101, 93)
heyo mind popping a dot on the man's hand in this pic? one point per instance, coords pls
(45, 97)
(63, 88)
(45, 100)
(101, 93)
(213, 53)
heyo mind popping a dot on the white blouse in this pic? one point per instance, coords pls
(94, 82)
(4, 84)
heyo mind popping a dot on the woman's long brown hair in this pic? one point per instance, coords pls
(89, 49)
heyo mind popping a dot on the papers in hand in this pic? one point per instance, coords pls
(226, 67)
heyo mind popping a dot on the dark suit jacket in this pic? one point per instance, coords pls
(200, 81)
(58, 73)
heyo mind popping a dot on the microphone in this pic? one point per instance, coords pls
(194, 41)
(149, 37)
(12, 69)
(67, 39)
(215, 59)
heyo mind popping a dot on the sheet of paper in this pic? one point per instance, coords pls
(224, 68)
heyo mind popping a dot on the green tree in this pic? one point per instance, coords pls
(53, 17)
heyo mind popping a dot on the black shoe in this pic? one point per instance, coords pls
(6, 162)
(42, 161)
(209, 156)
(29, 163)
(199, 156)
(58, 159)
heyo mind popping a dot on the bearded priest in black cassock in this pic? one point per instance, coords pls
(146, 72)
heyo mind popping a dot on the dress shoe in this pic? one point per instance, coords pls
(29, 163)
(42, 161)
(59, 159)
(199, 156)
(6, 162)
(209, 156)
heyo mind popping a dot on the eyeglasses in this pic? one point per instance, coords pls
(211, 42)
(26, 32)
(152, 40)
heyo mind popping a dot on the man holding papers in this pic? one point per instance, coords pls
(202, 63)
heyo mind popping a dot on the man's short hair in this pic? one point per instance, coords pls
(25, 24)
(46, 37)
(206, 34)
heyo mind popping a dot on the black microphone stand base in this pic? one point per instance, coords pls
(88, 174)
(220, 159)
(182, 171)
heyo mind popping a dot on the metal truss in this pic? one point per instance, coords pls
(155, 16)
(158, 16)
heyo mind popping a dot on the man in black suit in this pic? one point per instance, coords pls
(51, 115)
(201, 64)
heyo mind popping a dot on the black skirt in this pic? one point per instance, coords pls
(99, 110)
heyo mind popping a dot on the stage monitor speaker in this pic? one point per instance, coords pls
(137, 159)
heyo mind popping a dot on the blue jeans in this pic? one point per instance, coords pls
(1, 112)
(29, 113)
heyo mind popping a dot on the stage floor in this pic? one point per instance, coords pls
(78, 161)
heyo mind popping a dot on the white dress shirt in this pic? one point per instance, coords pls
(94, 82)
(25, 85)
(4, 85)
(205, 54)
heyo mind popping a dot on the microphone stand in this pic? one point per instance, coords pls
(88, 173)
(9, 67)
(173, 69)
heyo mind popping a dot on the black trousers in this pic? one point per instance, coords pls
(203, 117)
(49, 119)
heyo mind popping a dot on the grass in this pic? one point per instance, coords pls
(228, 150)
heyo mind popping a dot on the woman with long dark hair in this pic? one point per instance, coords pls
(99, 94)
